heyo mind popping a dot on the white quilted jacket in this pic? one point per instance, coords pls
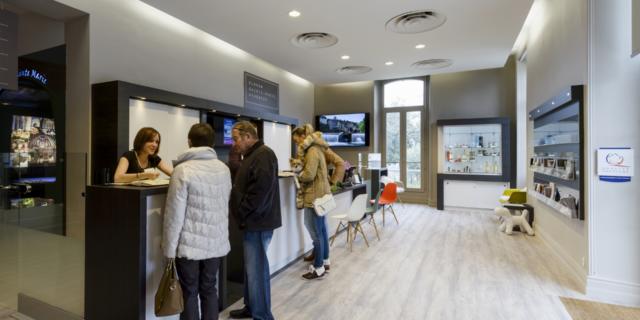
(196, 215)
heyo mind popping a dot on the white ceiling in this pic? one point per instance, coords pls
(477, 34)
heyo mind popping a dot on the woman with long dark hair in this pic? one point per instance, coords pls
(134, 163)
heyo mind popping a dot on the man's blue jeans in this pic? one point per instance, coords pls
(257, 278)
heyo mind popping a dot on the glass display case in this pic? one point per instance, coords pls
(472, 149)
(557, 153)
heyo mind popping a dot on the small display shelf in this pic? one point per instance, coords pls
(472, 149)
(558, 152)
(476, 155)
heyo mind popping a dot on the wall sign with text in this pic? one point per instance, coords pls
(615, 164)
(260, 94)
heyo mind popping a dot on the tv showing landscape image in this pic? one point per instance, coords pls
(344, 130)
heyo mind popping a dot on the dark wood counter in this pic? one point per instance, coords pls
(115, 251)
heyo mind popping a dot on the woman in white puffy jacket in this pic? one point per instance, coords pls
(196, 231)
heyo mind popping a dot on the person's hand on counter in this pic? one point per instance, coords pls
(151, 175)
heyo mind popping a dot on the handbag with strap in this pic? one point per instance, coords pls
(169, 295)
(324, 204)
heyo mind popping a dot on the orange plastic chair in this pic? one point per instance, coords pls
(388, 198)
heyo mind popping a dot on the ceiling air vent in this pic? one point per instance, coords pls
(353, 70)
(314, 40)
(432, 64)
(415, 21)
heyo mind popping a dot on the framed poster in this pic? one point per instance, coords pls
(260, 94)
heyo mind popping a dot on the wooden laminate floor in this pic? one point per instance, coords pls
(434, 265)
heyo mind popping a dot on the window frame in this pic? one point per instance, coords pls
(403, 110)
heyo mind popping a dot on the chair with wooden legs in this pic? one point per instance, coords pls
(371, 211)
(351, 220)
(388, 198)
(399, 185)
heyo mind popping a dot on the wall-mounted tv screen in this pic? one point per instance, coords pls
(222, 126)
(227, 126)
(344, 130)
(33, 142)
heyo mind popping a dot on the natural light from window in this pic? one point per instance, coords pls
(404, 93)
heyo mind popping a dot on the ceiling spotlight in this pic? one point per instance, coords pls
(389, 63)
(294, 14)
(420, 46)
(183, 105)
(143, 98)
(345, 57)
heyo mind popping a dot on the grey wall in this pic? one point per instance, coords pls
(347, 98)
(556, 45)
(472, 94)
(36, 32)
(614, 107)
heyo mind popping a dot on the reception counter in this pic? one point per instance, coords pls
(124, 262)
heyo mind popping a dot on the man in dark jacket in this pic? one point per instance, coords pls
(255, 205)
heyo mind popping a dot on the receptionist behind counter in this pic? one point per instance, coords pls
(135, 164)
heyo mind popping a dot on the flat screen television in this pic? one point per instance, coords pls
(344, 130)
(33, 142)
(227, 126)
(222, 126)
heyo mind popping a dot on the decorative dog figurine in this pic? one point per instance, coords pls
(509, 221)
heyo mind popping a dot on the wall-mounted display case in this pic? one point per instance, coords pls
(558, 153)
(477, 153)
(472, 149)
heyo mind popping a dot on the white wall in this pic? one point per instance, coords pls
(172, 123)
(614, 100)
(278, 137)
(134, 42)
(556, 45)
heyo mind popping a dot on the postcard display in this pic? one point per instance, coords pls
(558, 153)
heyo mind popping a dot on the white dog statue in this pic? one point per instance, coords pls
(508, 221)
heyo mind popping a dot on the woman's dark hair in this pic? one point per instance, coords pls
(143, 136)
(201, 135)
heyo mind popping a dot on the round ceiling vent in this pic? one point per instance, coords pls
(314, 40)
(353, 70)
(415, 21)
(432, 64)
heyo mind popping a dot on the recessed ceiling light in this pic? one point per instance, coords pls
(420, 46)
(294, 14)
(143, 98)
(345, 57)
(183, 105)
(389, 63)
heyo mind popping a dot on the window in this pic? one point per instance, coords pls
(403, 111)
(404, 93)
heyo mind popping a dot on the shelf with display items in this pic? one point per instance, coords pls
(557, 160)
(473, 154)
(472, 149)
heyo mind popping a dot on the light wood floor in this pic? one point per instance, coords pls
(590, 310)
(434, 265)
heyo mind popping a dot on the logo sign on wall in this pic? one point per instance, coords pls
(33, 74)
(260, 94)
(615, 164)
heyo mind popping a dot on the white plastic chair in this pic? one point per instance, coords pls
(352, 219)
(400, 186)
